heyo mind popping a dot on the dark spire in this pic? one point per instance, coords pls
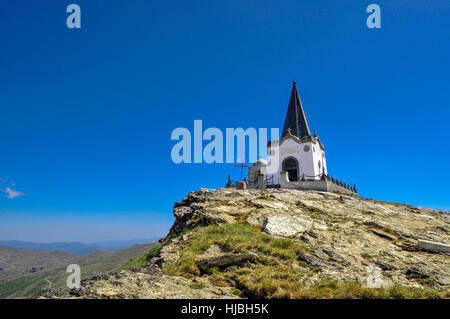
(295, 116)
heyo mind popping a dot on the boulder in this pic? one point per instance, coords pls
(290, 226)
(433, 246)
(224, 260)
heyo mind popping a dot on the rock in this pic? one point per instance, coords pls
(224, 260)
(385, 265)
(418, 271)
(290, 226)
(158, 261)
(143, 285)
(408, 246)
(372, 223)
(433, 246)
(311, 260)
(383, 234)
(188, 214)
(185, 237)
(216, 256)
(256, 219)
(285, 226)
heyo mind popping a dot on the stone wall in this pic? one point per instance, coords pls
(324, 184)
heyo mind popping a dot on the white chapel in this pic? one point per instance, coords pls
(297, 160)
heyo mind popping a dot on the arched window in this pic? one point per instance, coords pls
(290, 165)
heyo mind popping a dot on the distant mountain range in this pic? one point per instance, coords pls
(79, 247)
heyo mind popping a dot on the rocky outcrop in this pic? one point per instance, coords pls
(341, 237)
(344, 234)
(145, 283)
(191, 212)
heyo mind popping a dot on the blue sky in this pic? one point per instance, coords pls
(86, 115)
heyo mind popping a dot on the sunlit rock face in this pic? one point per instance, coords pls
(341, 238)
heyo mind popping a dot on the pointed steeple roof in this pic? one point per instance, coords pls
(295, 117)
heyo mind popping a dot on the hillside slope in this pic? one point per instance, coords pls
(16, 260)
(281, 243)
(25, 272)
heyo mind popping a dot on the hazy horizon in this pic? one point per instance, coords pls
(86, 243)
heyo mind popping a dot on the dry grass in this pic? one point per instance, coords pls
(235, 238)
(272, 275)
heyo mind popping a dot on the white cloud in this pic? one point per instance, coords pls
(10, 193)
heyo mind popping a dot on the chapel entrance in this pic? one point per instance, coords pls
(290, 165)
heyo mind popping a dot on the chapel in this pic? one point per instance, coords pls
(297, 160)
